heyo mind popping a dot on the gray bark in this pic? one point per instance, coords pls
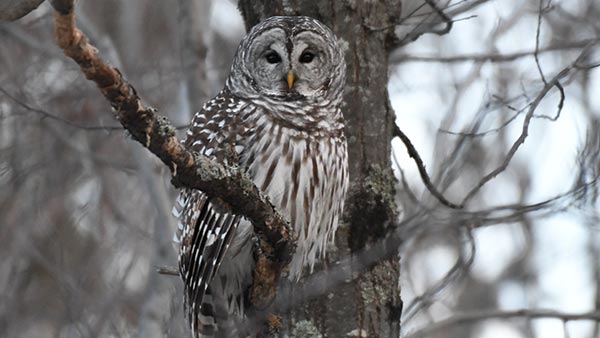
(369, 305)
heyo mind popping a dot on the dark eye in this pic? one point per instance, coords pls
(306, 57)
(272, 57)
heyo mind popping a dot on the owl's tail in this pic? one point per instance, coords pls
(213, 319)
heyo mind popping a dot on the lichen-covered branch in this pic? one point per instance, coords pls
(190, 170)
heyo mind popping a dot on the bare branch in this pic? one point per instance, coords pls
(443, 16)
(190, 170)
(47, 115)
(412, 152)
(491, 57)
(168, 270)
(554, 82)
(425, 17)
(537, 41)
(463, 264)
(54, 117)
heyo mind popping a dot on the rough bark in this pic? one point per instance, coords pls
(369, 305)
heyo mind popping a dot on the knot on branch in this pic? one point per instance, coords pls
(207, 170)
(164, 127)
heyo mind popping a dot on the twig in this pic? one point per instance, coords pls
(537, 42)
(554, 82)
(405, 188)
(510, 120)
(537, 60)
(491, 57)
(47, 115)
(412, 152)
(463, 264)
(442, 15)
(190, 170)
(44, 114)
(168, 270)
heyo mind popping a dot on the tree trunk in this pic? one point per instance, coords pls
(369, 305)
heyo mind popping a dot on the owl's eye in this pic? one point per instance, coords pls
(306, 57)
(273, 57)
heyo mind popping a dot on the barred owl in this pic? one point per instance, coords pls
(279, 117)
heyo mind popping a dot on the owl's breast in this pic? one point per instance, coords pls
(305, 177)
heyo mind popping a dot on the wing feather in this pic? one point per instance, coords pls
(204, 231)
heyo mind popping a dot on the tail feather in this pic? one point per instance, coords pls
(213, 319)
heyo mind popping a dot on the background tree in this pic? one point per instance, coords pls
(81, 204)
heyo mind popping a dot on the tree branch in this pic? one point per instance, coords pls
(412, 152)
(491, 57)
(554, 82)
(190, 170)
(44, 114)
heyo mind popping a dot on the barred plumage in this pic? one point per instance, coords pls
(289, 137)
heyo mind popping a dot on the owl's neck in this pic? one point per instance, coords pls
(318, 116)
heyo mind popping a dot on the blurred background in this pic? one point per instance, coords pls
(85, 212)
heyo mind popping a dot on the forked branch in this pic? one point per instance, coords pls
(190, 170)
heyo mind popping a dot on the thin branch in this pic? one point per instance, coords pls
(405, 187)
(537, 41)
(412, 152)
(554, 82)
(168, 270)
(421, 28)
(537, 59)
(491, 57)
(190, 170)
(46, 115)
(588, 66)
(463, 264)
(485, 132)
(510, 120)
(53, 117)
(442, 15)
(480, 315)
(426, 24)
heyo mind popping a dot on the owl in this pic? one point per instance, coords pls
(279, 118)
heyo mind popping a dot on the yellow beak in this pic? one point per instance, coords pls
(290, 79)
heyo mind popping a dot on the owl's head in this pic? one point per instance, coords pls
(289, 58)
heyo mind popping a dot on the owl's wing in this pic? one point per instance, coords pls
(204, 230)
(205, 237)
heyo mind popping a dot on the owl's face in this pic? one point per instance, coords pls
(289, 58)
